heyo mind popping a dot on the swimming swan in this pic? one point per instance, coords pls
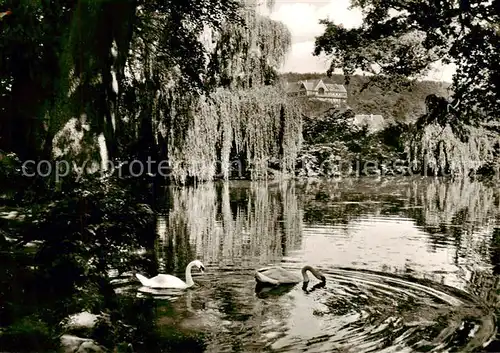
(276, 275)
(169, 281)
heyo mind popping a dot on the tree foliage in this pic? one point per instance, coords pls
(247, 127)
(332, 125)
(401, 39)
(249, 55)
(130, 73)
(67, 58)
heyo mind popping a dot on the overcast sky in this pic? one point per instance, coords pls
(302, 17)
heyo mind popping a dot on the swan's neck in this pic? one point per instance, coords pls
(311, 269)
(304, 273)
(189, 278)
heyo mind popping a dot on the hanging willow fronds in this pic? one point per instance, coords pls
(248, 55)
(161, 99)
(440, 151)
(261, 122)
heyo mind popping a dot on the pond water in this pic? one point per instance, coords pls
(410, 264)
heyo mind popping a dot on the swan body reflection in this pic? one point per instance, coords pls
(169, 281)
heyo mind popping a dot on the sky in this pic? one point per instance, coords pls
(302, 19)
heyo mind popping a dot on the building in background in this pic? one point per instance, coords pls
(317, 89)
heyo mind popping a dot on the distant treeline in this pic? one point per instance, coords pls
(406, 105)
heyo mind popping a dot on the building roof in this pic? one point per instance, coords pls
(335, 87)
(374, 122)
(310, 85)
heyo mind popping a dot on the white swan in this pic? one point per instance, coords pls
(169, 281)
(276, 275)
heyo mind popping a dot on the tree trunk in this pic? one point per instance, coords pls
(23, 123)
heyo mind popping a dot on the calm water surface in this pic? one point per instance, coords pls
(410, 266)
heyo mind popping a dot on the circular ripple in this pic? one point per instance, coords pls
(361, 311)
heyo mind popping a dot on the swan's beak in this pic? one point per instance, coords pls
(202, 269)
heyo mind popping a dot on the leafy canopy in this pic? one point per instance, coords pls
(400, 39)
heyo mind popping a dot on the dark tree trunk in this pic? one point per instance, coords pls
(23, 123)
(281, 136)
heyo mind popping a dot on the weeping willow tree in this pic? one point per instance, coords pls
(442, 145)
(137, 76)
(248, 54)
(257, 124)
(66, 60)
(147, 59)
(172, 112)
(439, 151)
(248, 117)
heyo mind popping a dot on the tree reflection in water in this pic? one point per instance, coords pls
(237, 227)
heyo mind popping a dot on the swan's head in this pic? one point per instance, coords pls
(198, 264)
(318, 285)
